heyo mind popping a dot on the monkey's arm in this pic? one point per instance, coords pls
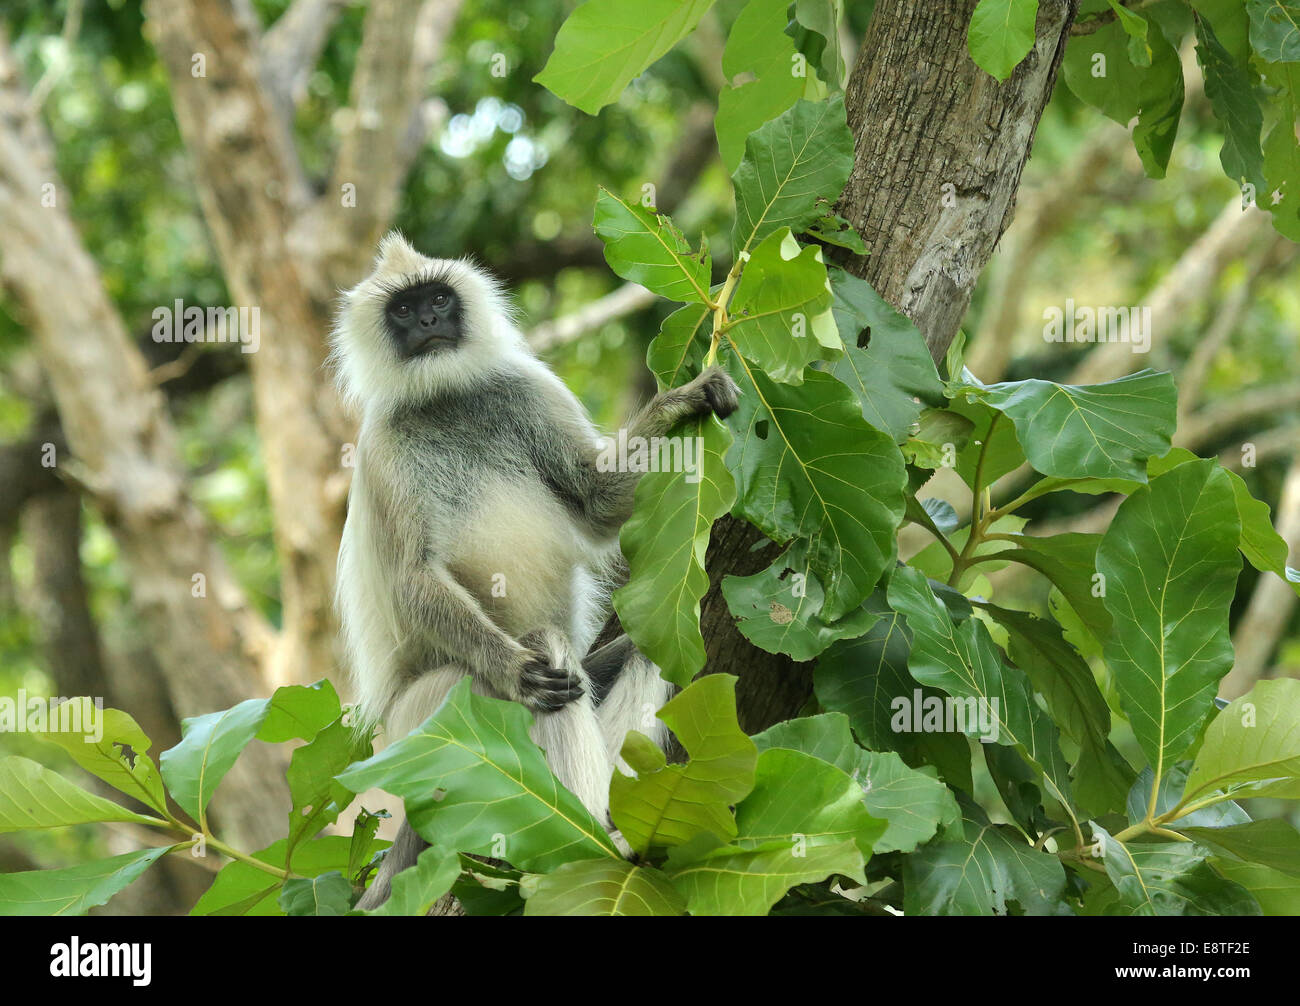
(438, 608)
(604, 498)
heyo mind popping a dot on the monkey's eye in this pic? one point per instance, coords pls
(440, 300)
(402, 310)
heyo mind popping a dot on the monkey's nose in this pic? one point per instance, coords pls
(428, 321)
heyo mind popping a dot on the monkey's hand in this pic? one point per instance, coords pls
(540, 685)
(713, 391)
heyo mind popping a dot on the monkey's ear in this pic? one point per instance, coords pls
(395, 253)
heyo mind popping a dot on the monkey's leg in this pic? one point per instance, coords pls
(629, 691)
(571, 736)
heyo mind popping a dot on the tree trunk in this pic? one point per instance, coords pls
(940, 149)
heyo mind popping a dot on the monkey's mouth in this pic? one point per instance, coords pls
(433, 342)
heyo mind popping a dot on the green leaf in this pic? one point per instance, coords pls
(604, 44)
(75, 889)
(1001, 34)
(1273, 843)
(241, 889)
(911, 803)
(962, 660)
(647, 248)
(1101, 430)
(31, 796)
(894, 369)
(1169, 878)
(1277, 893)
(1172, 783)
(822, 17)
(1229, 86)
(604, 887)
(1170, 561)
(415, 890)
(758, 45)
(1252, 747)
(799, 798)
(1282, 151)
(807, 465)
(991, 439)
(794, 167)
(108, 759)
(861, 677)
(1135, 26)
(209, 746)
(833, 229)
(729, 880)
(327, 894)
(470, 773)
(779, 609)
(981, 873)
(317, 798)
(664, 543)
(1057, 672)
(1275, 29)
(1069, 561)
(676, 354)
(299, 712)
(1100, 71)
(667, 805)
(781, 312)
(1262, 546)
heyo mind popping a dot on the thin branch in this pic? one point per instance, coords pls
(291, 48)
(56, 69)
(627, 299)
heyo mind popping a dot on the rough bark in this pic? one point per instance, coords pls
(923, 116)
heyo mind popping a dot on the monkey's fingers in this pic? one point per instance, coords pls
(720, 391)
(550, 688)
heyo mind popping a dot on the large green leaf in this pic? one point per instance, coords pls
(1001, 34)
(1281, 196)
(1069, 561)
(961, 659)
(894, 369)
(647, 248)
(299, 712)
(861, 677)
(1278, 893)
(1252, 747)
(1056, 670)
(799, 798)
(1100, 70)
(73, 890)
(1275, 29)
(676, 354)
(758, 46)
(470, 774)
(794, 168)
(730, 880)
(31, 796)
(980, 874)
(1272, 842)
(667, 805)
(107, 758)
(1169, 878)
(241, 889)
(209, 746)
(781, 312)
(415, 890)
(1230, 88)
(664, 543)
(807, 465)
(604, 887)
(1101, 430)
(912, 803)
(317, 797)
(1170, 561)
(778, 609)
(329, 894)
(1262, 546)
(605, 43)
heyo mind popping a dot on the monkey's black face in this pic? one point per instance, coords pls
(424, 319)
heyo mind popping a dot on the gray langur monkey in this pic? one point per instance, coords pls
(481, 536)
